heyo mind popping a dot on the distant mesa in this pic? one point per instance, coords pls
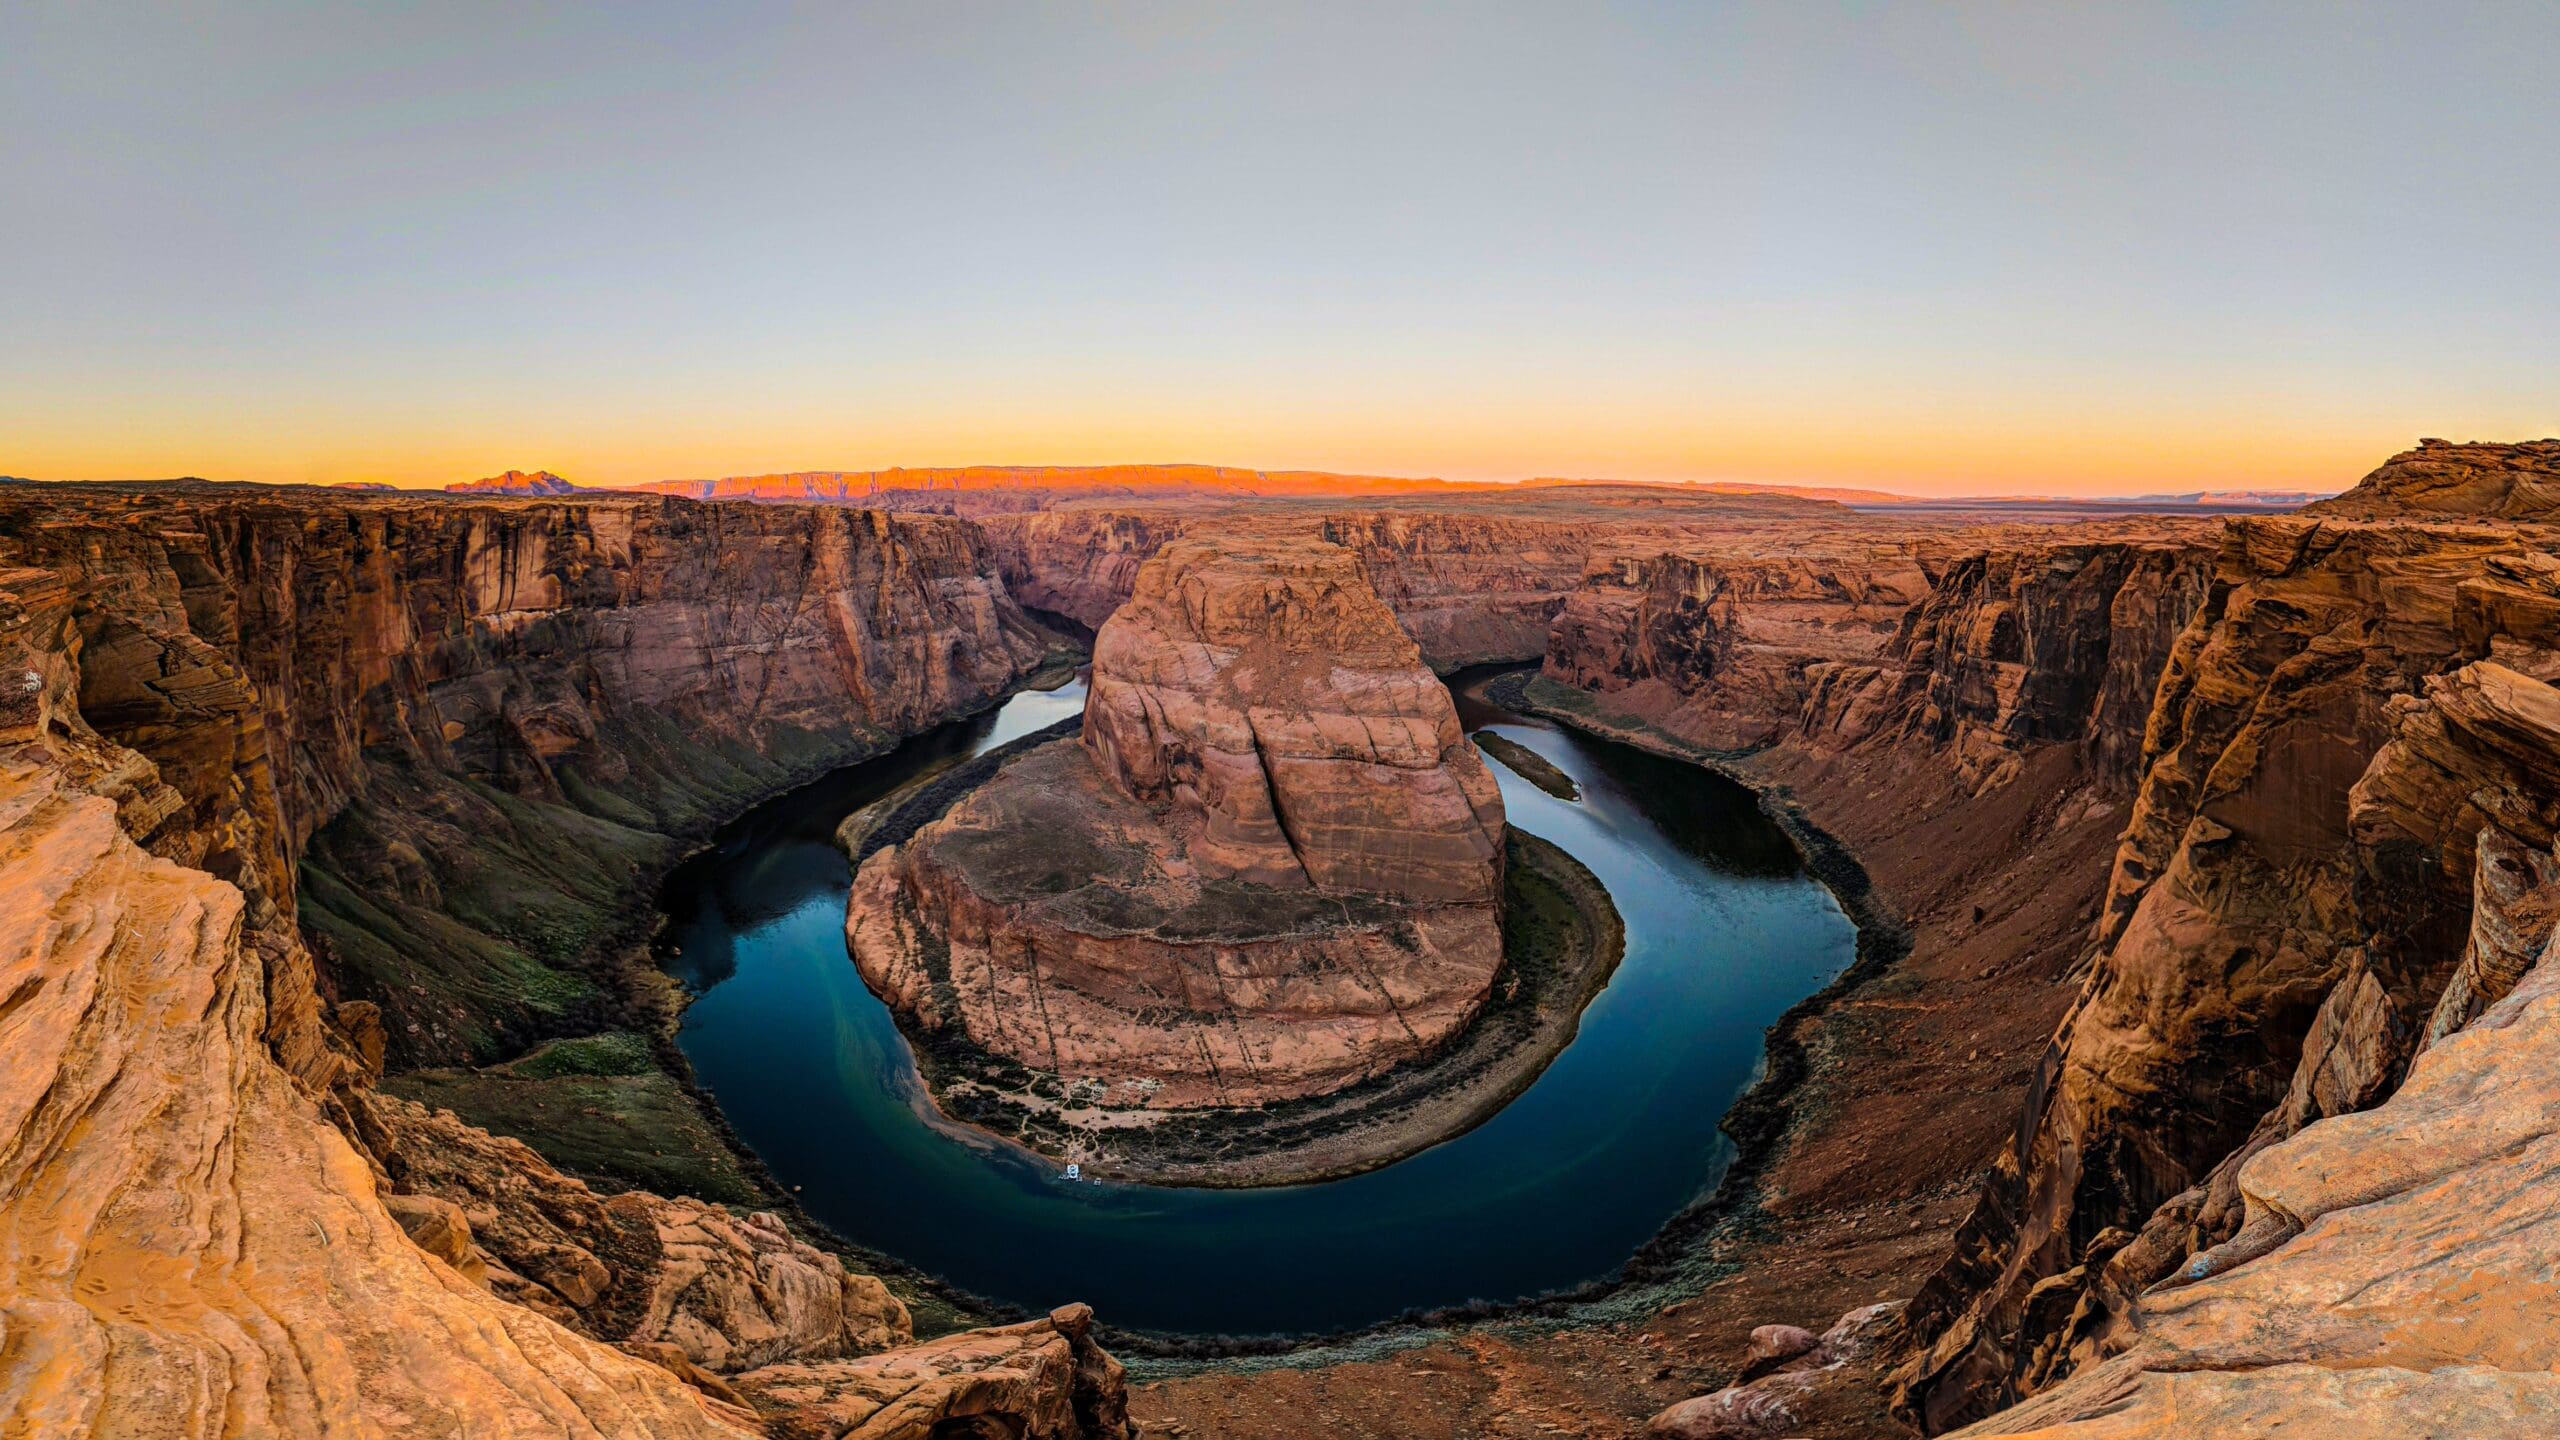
(368, 485)
(516, 482)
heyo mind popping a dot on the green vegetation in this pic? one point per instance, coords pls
(486, 915)
(1529, 765)
(598, 1108)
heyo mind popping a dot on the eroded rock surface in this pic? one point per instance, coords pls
(1046, 1379)
(199, 1230)
(1265, 689)
(1722, 647)
(2412, 1296)
(441, 729)
(187, 1246)
(1270, 867)
(730, 1292)
(2449, 481)
(2294, 892)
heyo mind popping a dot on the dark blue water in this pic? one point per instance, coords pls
(1723, 934)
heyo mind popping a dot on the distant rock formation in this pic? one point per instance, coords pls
(1271, 866)
(516, 482)
(1001, 489)
(1719, 642)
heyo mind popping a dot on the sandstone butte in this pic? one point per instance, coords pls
(1270, 866)
(2209, 1097)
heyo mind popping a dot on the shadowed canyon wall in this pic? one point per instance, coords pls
(213, 1227)
(464, 723)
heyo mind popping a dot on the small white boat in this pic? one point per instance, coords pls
(1075, 1172)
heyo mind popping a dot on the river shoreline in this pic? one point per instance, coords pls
(1563, 940)
(1673, 1263)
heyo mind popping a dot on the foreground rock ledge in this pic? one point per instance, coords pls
(1271, 866)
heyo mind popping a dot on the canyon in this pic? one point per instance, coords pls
(2190, 1079)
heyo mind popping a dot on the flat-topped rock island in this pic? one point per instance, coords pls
(1269, 869)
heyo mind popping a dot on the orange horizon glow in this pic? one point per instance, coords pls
(1941, 251)
(2062, 458)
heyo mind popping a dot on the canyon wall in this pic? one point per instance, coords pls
(1721, 645)
(451, 733)
(2349, 724)
(1470, 588)
(2341, 745)
(212, 1227)
(2389, 1269)
(2058, 642)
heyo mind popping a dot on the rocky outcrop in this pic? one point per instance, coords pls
(2403, 1285)
(188, 1247)
(728, 1292)
(2442, 480)
(201, 1232)
(1045, 1379)
(1265, 689)
(1783, 1366)
(2331, 752)
(514, 483)
(1270, 867)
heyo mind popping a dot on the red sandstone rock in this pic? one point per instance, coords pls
(1721, 647)
(1271, 867)
(190, 1246)
(1264, 687)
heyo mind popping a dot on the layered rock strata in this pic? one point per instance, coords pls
(2402, 1285)
(1270, 866)
(2443, 480)
(2346, 734)
(1723, 648)
(443, 730)
(2054, 643)
(210, 1226)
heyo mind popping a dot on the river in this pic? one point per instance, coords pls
(1724, 933)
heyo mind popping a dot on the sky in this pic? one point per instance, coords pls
(1948, 249)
